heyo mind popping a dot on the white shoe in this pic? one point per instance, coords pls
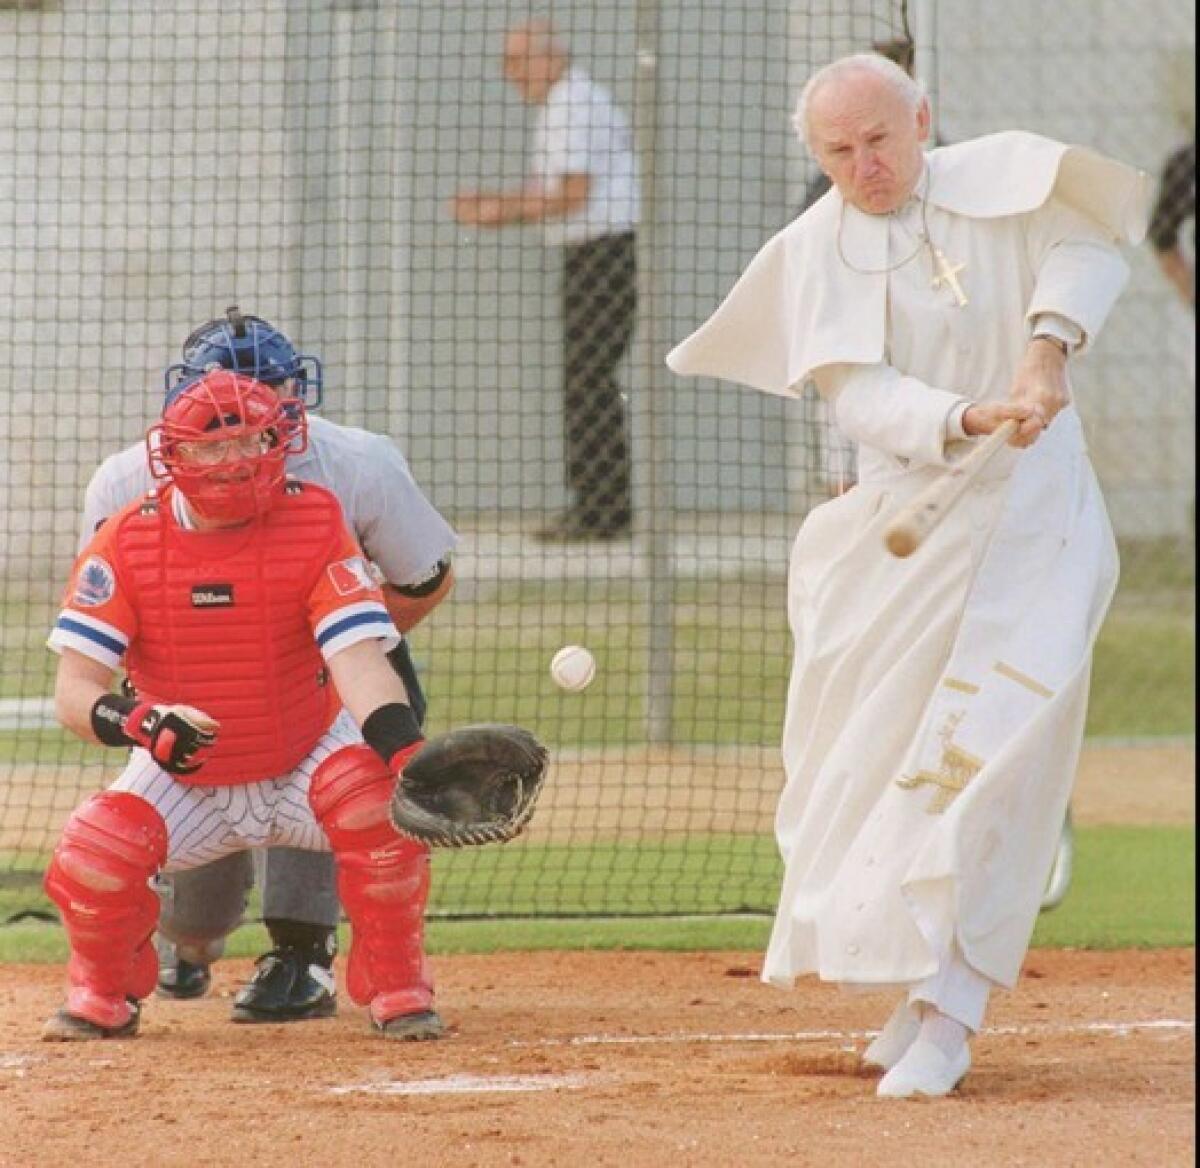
(898, 1034)
(925, 1070)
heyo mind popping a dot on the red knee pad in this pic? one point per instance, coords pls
(99, 878)
(349, 794)
(383, 878)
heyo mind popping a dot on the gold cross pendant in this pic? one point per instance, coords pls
(947, 273)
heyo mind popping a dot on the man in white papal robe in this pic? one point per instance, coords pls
(936, 705)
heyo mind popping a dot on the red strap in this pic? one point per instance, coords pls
(133, 724)
(403, 756)
(163, 747)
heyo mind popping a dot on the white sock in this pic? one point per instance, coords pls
(897, 1035)
(946, 1033)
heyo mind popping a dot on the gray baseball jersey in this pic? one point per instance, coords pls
(396, 526)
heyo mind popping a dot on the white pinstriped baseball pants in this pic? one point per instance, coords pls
(206, 823)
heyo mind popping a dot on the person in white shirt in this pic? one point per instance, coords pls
(937, 703)
(583, 189)
(410, 544)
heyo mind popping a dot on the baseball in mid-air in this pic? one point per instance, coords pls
(573, 668)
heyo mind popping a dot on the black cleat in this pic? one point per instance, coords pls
(419, 1027)
(184, 981)
(63, 1026)
(286, 987)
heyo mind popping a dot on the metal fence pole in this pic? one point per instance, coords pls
(371, 272)
(925, 35)
(310, 167)
(805, 430)
(655, 459)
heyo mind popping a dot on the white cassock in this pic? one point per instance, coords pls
(936, 704)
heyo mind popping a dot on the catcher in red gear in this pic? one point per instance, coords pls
(254, 634)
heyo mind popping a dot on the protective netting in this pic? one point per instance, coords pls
(302, 160)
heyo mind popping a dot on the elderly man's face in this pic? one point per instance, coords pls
(531, 71)
(868, 140)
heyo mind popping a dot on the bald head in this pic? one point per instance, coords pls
(856, 70)
(534, 59)
(865, 122)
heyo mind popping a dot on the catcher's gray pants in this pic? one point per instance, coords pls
(202, 906)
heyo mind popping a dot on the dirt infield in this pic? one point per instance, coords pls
(636, 1060)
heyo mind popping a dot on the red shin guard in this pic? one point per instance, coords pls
(383, 882)
(99, 878)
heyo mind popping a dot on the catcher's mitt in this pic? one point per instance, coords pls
(475, 785)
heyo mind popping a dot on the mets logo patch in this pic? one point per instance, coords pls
(352, 575)
(96, 583)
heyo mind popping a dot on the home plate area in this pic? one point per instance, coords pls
(626, 1059)
(469, 1085)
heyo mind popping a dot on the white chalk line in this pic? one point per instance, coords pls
(464, 1084)
(470, 1085)
(1120, 1029)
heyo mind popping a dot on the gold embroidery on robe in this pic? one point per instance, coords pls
(956, 769)
(1031, 684)
(960, 686)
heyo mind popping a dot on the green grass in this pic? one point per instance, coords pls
(1133, 887)
(54, 748)
(729, 673)
(729, 669)
(1144, 675)
(703, 874)
(36, 943)
(486, 660)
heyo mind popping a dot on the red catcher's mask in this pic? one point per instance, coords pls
(223, 442)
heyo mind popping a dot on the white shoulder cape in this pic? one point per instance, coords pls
(797, 275)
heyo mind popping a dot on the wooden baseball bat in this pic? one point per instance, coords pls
(915, 520)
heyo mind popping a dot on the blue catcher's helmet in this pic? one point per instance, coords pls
(247, 345)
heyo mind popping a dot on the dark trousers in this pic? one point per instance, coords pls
(599, 295)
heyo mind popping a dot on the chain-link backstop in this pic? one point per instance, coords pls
(300, 159)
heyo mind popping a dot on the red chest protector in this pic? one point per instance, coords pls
(223, 625)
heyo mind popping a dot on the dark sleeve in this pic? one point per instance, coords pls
(1176, 199)
(814, 189)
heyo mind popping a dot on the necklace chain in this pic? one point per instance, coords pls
(922, 241)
